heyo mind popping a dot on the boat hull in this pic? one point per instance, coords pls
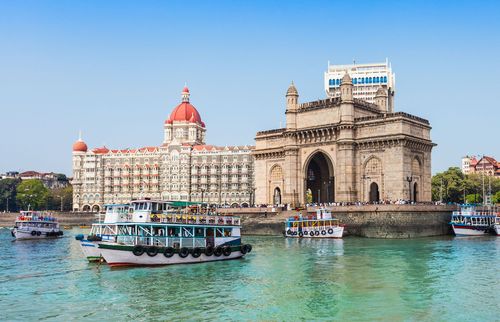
(91, 250)
(470, 230)
(496, 228)
(116, 257)
(27, 234)
(332, 232)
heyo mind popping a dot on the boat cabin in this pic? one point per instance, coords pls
(116, 213)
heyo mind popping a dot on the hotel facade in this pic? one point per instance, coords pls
(182, 168)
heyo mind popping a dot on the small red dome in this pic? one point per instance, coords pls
(79, 146)
(102, 150)
(185, 89)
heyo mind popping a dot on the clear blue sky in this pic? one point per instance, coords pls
(115, 69)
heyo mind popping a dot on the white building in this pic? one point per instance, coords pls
(366, 78)
(183, 168)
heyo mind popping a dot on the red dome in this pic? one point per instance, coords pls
(185, 112)
(79, 146)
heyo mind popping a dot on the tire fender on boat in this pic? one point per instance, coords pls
(218, 251)
(323, 232)
(316, 232)
(249, 247)
(183, 252)
(152, 251)
(209, 251)
(196, 252)
(288, 232)
(38, 233)
(138, 250)
(330, 231)
(169, 252)
(226, 250)
(244, 249)
(33, 233)
(301, 234)
(311, 233)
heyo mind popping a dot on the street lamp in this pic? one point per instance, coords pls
(61, 202)
(409, 179)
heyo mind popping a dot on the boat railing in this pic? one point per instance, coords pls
(164, 241)
(474, 213)
(196, 219)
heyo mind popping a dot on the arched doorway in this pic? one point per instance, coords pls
(277, 196)
(95, 208)
(374, 193)
(415, 192)
(320, 179)
(86, 208)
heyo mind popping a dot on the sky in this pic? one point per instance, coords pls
(115, 69)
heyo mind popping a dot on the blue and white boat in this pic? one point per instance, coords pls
(153, 233)
(469, 221)
(103, 230)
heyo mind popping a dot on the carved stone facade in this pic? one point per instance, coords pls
(343, 149)
(183, 168)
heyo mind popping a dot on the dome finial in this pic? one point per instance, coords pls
(185, 93)
(292, 90)
(80, 135)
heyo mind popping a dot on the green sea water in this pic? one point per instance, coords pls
(354, 279)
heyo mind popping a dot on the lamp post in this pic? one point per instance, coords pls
(409, 179)
(61, 202)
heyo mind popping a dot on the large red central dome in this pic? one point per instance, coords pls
(185, 111)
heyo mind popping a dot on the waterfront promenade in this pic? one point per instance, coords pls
(372, 221)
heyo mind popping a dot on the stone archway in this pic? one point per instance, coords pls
(319, 178)
(96, 208)
(86, 208)
(374, 192)
(415, 192)
(277, 196)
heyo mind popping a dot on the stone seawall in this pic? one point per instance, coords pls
(372, 221)
(65, 218)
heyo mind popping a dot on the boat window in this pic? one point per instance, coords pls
(199, 232)
(227, 232)
(173, 231)
(218, 232)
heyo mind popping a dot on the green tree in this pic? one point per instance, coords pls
(8, 194)
(496, 197)
(449, 185)
(64, 195)
(32, 193)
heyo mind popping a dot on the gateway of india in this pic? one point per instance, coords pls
(349, 147)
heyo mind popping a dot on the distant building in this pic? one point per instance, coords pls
(50, 180)
(182, 168)
(9, 175)
(485, 165)
(366, 81)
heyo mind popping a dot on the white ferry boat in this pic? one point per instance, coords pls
(154, 235)
(468, 221)
(35, 225)
(103, 230)
(320, 225)
(496, 225)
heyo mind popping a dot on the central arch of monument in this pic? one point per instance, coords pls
(319, 178)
